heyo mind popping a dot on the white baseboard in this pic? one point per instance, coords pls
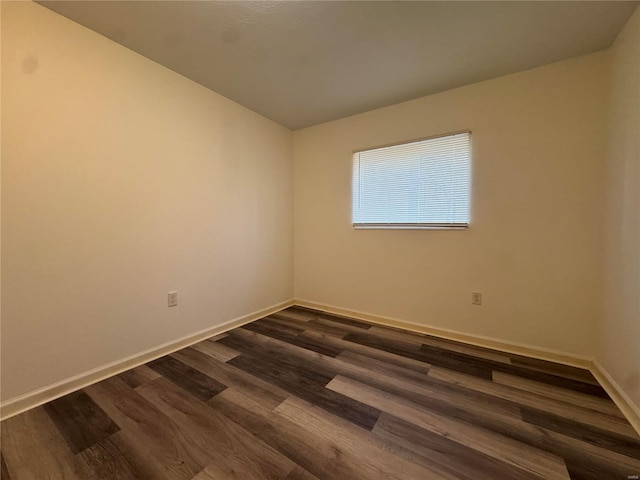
(35, 398)
(477, 340)
(617, 394)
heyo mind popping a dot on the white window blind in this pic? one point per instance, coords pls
(414, 185)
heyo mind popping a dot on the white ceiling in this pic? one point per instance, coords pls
(304, 63)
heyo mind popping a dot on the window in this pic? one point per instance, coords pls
(423, 184)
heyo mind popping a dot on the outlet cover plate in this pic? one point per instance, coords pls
(172, 299)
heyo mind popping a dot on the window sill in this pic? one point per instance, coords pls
(409, 226)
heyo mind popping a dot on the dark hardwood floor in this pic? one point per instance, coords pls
(306, 395)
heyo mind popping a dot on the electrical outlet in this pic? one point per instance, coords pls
(476, 298)
(173, 299)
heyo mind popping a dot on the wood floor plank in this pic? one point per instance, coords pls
(420, 339)
(610, 423)
(472, 350)
(288, 320)
(264, 392)
(378, 366)
(80, 421)
(268, 324)
(567, 371)
(586, 470)
(213, 472)
(590, 402)
(459, 461)
(313, 325)
(447, 360)
(338, 324)
(586, 433)
(577, 385)
(33, 448)
(216, 350)
(310, 314)
(231, 448)
(295, 367)
(321, 457)
(308, 342)
(290, 325)
(382, 355)
(432, 353)
(149, 434)
(299, 473)
(111, 459)
(308, 310)
(454, 402)
(295, 314)
(312, 391)
(376, 459)
(193, 381)
(593, 458)
(157, 458)
(137, 376)
(531, 460)
(217, 337)
(345, 320)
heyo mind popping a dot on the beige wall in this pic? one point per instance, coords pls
(534, 248)
(121, 181)
(619, 336)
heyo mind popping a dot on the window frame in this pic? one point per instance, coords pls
(414, 225)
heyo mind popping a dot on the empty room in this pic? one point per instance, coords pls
(316, 240)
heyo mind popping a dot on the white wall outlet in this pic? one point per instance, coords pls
(476, 298)
(173, 299)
